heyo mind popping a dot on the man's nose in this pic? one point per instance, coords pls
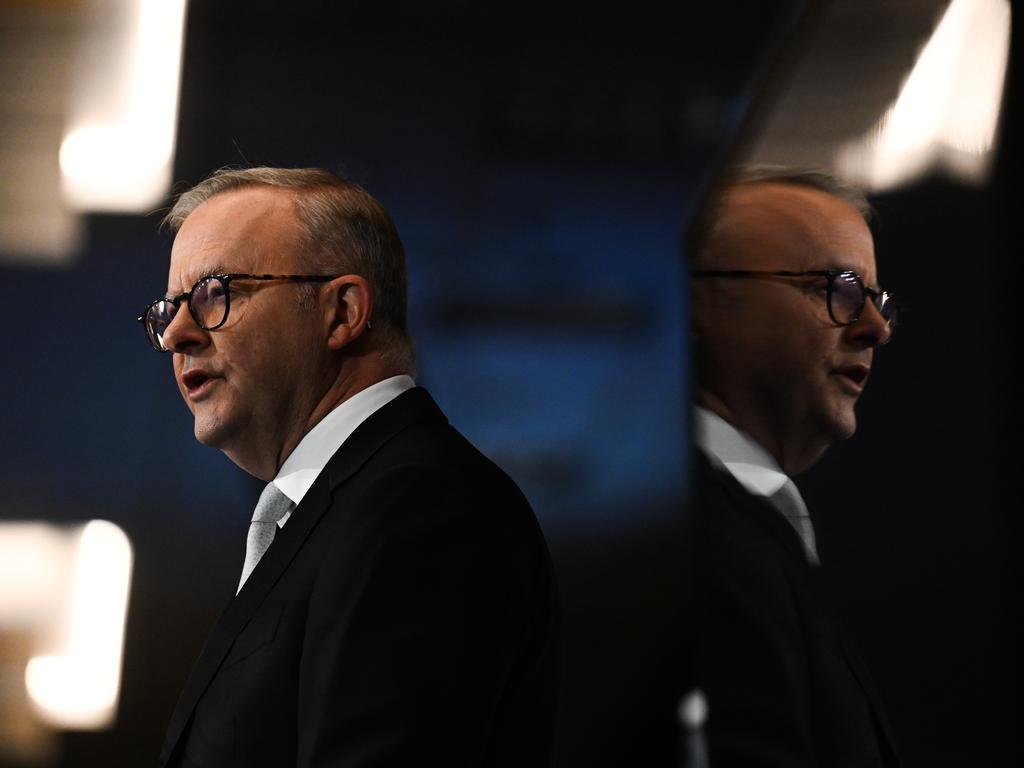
(871, 329)
(183, 333)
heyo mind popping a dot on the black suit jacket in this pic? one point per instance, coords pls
(405, 615)
(784, 685)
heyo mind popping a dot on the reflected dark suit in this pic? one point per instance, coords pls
(784, 685)
(406, 614)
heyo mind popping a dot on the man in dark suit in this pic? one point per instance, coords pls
(787, 315)
(396, 605)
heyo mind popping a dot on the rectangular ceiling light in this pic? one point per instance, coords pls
(947, 111)
(118, 149)
(67, 591)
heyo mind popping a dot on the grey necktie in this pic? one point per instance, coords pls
(791, 504)
(272, 506)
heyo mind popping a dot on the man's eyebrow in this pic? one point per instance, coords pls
(217, 269)
(840, 266)
(849, 268)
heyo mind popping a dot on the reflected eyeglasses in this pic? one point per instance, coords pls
(208, 301)
(845, 297)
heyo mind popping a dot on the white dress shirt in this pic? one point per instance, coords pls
(315, 449)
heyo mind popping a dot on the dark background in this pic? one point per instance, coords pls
(541, 163)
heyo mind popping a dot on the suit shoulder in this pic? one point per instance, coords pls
(430, 476)
(441, 451)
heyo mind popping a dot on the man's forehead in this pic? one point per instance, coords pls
(800, 208)
(250, 229)
(785, 226)
(192, 259)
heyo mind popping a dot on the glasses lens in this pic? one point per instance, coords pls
(209, 302)
(847, 298)
(887, 308)
(158, 317)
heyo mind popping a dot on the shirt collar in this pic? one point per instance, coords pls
(752, 466)
(315, 449)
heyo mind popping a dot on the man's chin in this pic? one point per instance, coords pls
(210, 432)
(844, 425)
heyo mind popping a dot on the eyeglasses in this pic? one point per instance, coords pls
(846, 295)
(209, 301)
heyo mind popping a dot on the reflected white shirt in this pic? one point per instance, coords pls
(756, 470)
(752, 466)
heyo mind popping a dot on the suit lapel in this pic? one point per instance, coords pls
(767, 516)
(860, 673)
(755, 507)
(411, 407)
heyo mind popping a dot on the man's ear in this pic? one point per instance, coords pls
(349, 304)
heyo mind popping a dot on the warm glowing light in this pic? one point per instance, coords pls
(121, 160)
(948, 109)
(32, 573)
(71, 591)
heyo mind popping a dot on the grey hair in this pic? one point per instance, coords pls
(344, 229)
(812, 178)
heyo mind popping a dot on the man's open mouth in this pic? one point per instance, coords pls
(856, 374)
(194, 380)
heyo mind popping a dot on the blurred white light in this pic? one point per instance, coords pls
(948, 109)
(693, 710)
(71, 592)
(33, 571)
(119, 157)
